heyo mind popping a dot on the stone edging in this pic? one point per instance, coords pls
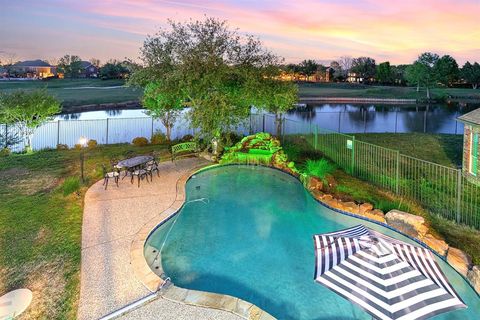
(168, 290)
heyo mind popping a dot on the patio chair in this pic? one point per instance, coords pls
(152, 166)
(140, 173)
(110, 175)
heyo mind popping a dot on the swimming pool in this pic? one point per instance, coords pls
(246, 231)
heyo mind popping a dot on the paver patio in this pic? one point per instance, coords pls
(111, 219)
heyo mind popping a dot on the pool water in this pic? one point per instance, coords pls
(252, 239)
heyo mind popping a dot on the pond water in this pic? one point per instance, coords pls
(347, 118)
(248, 231)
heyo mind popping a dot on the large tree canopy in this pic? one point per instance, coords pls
(27, 110)
(217, 70)
(364, 67)
(446, 70)
(471, 73)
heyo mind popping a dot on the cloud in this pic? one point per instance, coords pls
(321, 29)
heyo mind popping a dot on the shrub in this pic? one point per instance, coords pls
(140, 141)
(187, 138)
(92, 144)
(319, 168)
(78, 146)
(5, 152)
(158, 138)
(70, 185)
(62, 146)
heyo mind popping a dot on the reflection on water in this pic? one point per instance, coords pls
(364, 118)
(114, 112)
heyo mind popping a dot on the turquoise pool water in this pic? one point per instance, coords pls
(252, 239)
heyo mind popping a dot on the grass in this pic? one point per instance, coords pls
(444, 149)
(349, 188)
(71, 93)
(351, 90)
(319, 168)
(40, 223)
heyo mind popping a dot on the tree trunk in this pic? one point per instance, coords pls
(418, 87)
(428, 93)
(474, 86)
(168, 132)
(278, 121)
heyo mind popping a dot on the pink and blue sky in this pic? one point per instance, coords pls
(297, 29)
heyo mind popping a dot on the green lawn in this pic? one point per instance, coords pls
(444, 149)
(350, 90)
(71, 93)
(41, 221)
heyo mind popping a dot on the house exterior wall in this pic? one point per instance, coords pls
(467, 150)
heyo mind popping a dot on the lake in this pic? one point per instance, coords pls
(346, 118)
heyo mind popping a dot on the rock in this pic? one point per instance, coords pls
(474, 277)
(327, 197)
(314, 183)
(365, 207)
(318, 194)
(351, 207)
(407, 223)
(376, 215)
(459, 260)
(437, 245)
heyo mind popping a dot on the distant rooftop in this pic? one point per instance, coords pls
(86, 64)
(32, 63)
(473, 117)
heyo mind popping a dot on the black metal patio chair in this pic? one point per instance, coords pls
(141, 173)
(152, 166)
(107, 175)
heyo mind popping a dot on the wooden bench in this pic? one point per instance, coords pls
(185, 149)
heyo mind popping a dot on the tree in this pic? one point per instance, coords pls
(70, 66)
(95, 62)
(471, 73)
(346, 64)
(413, 74)
(422, 72)
(113, 70)
(308, 68)
(217, 69)
(27, 110)
(384, 73)
(364, 67)
(446, 70)
(9, 60)
(338, 73)
(164, 100)
(277, 96)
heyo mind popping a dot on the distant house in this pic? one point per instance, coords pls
(88, 70)
(471, 142)
(33, 69)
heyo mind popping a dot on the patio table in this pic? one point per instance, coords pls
(132, 164)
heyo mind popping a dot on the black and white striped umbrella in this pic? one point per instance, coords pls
(388, 278)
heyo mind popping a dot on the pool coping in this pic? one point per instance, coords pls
(244, 309)
(163, 286)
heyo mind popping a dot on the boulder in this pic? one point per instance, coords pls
(407, 223)
(474, 277)
(459, 260)
(364, 207)
(319, 195)
(350, 207)
(376, 215)
(437, 245)
(314, 183)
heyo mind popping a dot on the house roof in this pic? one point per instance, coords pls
(472, 117)
(32, 63)
(86, 64)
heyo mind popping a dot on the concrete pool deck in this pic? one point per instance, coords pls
(112, 219)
